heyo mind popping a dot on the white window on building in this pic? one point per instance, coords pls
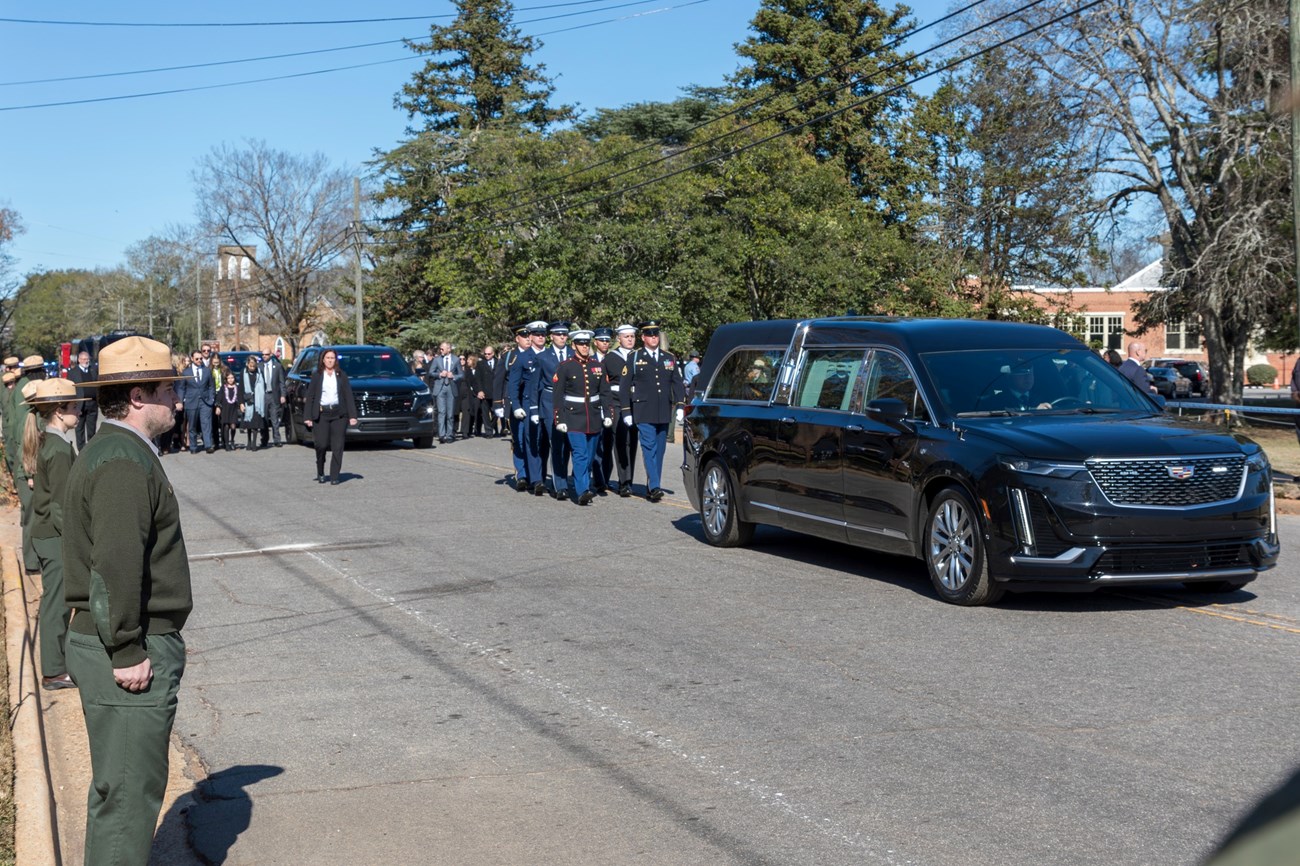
(1106, 330)
(245, 268)
(1182, 337)
(248, 314)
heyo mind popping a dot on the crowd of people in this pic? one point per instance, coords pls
(215, 404)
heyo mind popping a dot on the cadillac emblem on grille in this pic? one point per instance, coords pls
(1181, 473)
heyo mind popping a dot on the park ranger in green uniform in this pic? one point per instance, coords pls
(127, 582)
(31, 371)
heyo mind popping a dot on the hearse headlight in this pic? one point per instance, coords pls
(1047, 468)
(1257, 462)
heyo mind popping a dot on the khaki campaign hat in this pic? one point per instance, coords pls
(29, 391)
(134, 359)
(33, 362)
(10, 376)
(53, 391)
(11, 361)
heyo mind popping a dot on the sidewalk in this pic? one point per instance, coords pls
(51, 755)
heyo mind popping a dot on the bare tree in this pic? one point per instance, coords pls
(1185, 99)
(293, 213)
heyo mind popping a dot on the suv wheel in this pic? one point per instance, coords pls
(722, 528)
(954, 551)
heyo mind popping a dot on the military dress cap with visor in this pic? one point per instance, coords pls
(134, 359)
(53, 391)
(536, 327)
(33, 362)
(580, 337)
(559, 327)
(602, 334)
(520, 330)
(650, 327)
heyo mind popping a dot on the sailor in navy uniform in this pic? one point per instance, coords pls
(583, 411)
(602, 464)
(509, 373)
(527, 411)
(624, 445)
(549, 440)
(651, 393)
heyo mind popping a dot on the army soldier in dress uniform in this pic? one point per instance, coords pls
(625, 437)
(602, 464)
(528, 411)
(582, 412)
(508, 373)
(651, 391)
(549, 439)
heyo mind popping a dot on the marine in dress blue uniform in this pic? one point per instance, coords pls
(527, 409)
(582, 412)
(550, 441)
(507, 404)
(652, 392)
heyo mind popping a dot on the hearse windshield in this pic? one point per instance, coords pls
(987, 382)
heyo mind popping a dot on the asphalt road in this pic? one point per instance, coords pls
(448, 672)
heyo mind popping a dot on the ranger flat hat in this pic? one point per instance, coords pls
(580, 337)
(134, 359)
(10, 376)
(29, 391)
(54, 391)
(31, 362)
(11, 361)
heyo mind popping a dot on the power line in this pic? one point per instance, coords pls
(755, 103)
(356, 65)
(564, 208)
(274, 23)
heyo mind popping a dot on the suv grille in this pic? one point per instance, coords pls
(1183, 557)
(1170, 482)
(370, 405)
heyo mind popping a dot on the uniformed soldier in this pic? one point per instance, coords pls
(583, 410)
(528, 410)
(509, 372)
(602, 464)
(651, 391)
(625, 437)
(549, 440)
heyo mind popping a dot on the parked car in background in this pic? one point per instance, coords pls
(1005, 456)
(1169, 383)
(392, 401)
(1193, 371)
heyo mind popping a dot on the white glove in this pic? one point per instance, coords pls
(563, 428)
(627, 419)
(681, 415)
(520, 413)
(500, 413)
(536, 419)
(608, 422)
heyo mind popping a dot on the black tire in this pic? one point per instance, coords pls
(954, 551)
(722, 527)
(1217, 587)
(423, 441)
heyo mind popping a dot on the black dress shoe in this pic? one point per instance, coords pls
(561, 494)
(210, 450)
(539, 489)
(586, 497)
(335, 481)
(655, 495)
(321, 479)
(625, 490)
(521, 484)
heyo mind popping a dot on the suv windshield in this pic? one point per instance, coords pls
(373, 364)
(1012, 381)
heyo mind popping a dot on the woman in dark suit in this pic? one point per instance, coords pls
(471, 404)
(328, 412)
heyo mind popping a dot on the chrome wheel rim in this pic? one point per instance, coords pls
(715, 504)
(952, 545)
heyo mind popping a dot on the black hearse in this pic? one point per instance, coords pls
(1006, 456)
(393, 402)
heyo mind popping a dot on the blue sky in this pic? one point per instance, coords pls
(90, 179)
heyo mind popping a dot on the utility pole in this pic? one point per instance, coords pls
(356, 244)
(198, 305)
(151, 308)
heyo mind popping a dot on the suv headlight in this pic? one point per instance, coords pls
(1257, 462)
(1046, 468)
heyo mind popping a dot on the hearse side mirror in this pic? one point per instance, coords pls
(888, 410)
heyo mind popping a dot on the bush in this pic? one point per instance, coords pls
(1260, 374)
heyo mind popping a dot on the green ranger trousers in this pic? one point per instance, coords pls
(52, 621)
(30, 561)
(129, 736)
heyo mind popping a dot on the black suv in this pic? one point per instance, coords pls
(392, 401)
(1006, 456)
(1193, 371)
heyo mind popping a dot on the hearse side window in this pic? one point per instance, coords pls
(746, 374)
(888, 376)
(828, 379)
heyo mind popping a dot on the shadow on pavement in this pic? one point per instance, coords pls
(222, 809)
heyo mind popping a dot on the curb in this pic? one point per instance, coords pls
(35, 839)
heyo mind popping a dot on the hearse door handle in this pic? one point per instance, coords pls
(853, 428)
